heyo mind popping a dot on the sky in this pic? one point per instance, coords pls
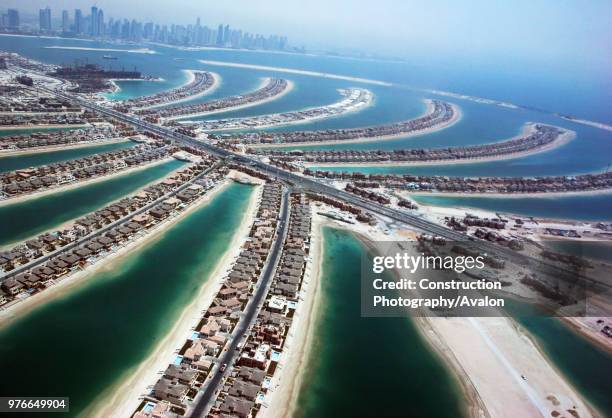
(532, 30)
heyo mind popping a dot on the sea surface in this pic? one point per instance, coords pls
(368, 367)
(21, 220)
(586, 366)
(16, 162)
(82, 343)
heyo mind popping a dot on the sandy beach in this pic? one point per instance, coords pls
(351, 109)
(264, 81)
(73, 185)
(123, 398)
(560, 141)
(456, 118)
(70, 222)
(190, 79)
(54, 126)
(61, 147)
(66, 283)
(295, 71)
(507, 369)
(79, 48)
(517, 195)
(285, 386)
(500, 370)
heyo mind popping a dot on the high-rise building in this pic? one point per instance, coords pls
(65, 21)
(100, 23)
(220, 35)
(12, 19)
(226, 34)
(93, 21)
(78, 21)
(44, 20)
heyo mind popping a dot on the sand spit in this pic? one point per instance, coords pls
(122, 399)
(61, 147)
(77, 184)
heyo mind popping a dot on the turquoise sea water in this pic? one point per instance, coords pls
(33, 216)
(587, 367)
(17, 162)
(80, 344)
(584, 208)
(368, 367)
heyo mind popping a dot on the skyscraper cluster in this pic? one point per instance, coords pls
(10, 20)
(94, 25)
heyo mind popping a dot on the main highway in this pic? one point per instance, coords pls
(315, 186)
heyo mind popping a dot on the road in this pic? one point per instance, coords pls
(308, 184)
(204, 399)
(98, 232)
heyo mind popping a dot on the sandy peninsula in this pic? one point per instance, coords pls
(64, 187)
(190, 79)
(563, 139)
(122, 399)
(66, 283)
(502, 372)
(456, 118)
(71, 221)
(60, 147)
(264, 81)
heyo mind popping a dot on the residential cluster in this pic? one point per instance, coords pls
(540, 137)
(181, 381)
(441, 113)
(249, 380)
(273, 87)
(504, 185)
(354, 99)
(99, 133)
(202, 81)
(28, 180)
(38, 263)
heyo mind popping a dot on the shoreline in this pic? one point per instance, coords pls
(290, 86)
(540, 195)
(456, 118)
(304, 121)
(464, 345)
(190, 79)
(48, 126)
(65, 187)
(62, 287)
(122, 398)
(71, 221)
(285, 386)
(563, 139)
(60, 147)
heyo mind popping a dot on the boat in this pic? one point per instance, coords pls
(109, 57)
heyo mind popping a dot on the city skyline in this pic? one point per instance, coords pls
(95, 26)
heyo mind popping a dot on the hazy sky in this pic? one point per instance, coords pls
(533, 29)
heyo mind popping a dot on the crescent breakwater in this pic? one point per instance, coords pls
(354, 99)
(200, 82)
(271, 89)
(439, 115)
(535, 138)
